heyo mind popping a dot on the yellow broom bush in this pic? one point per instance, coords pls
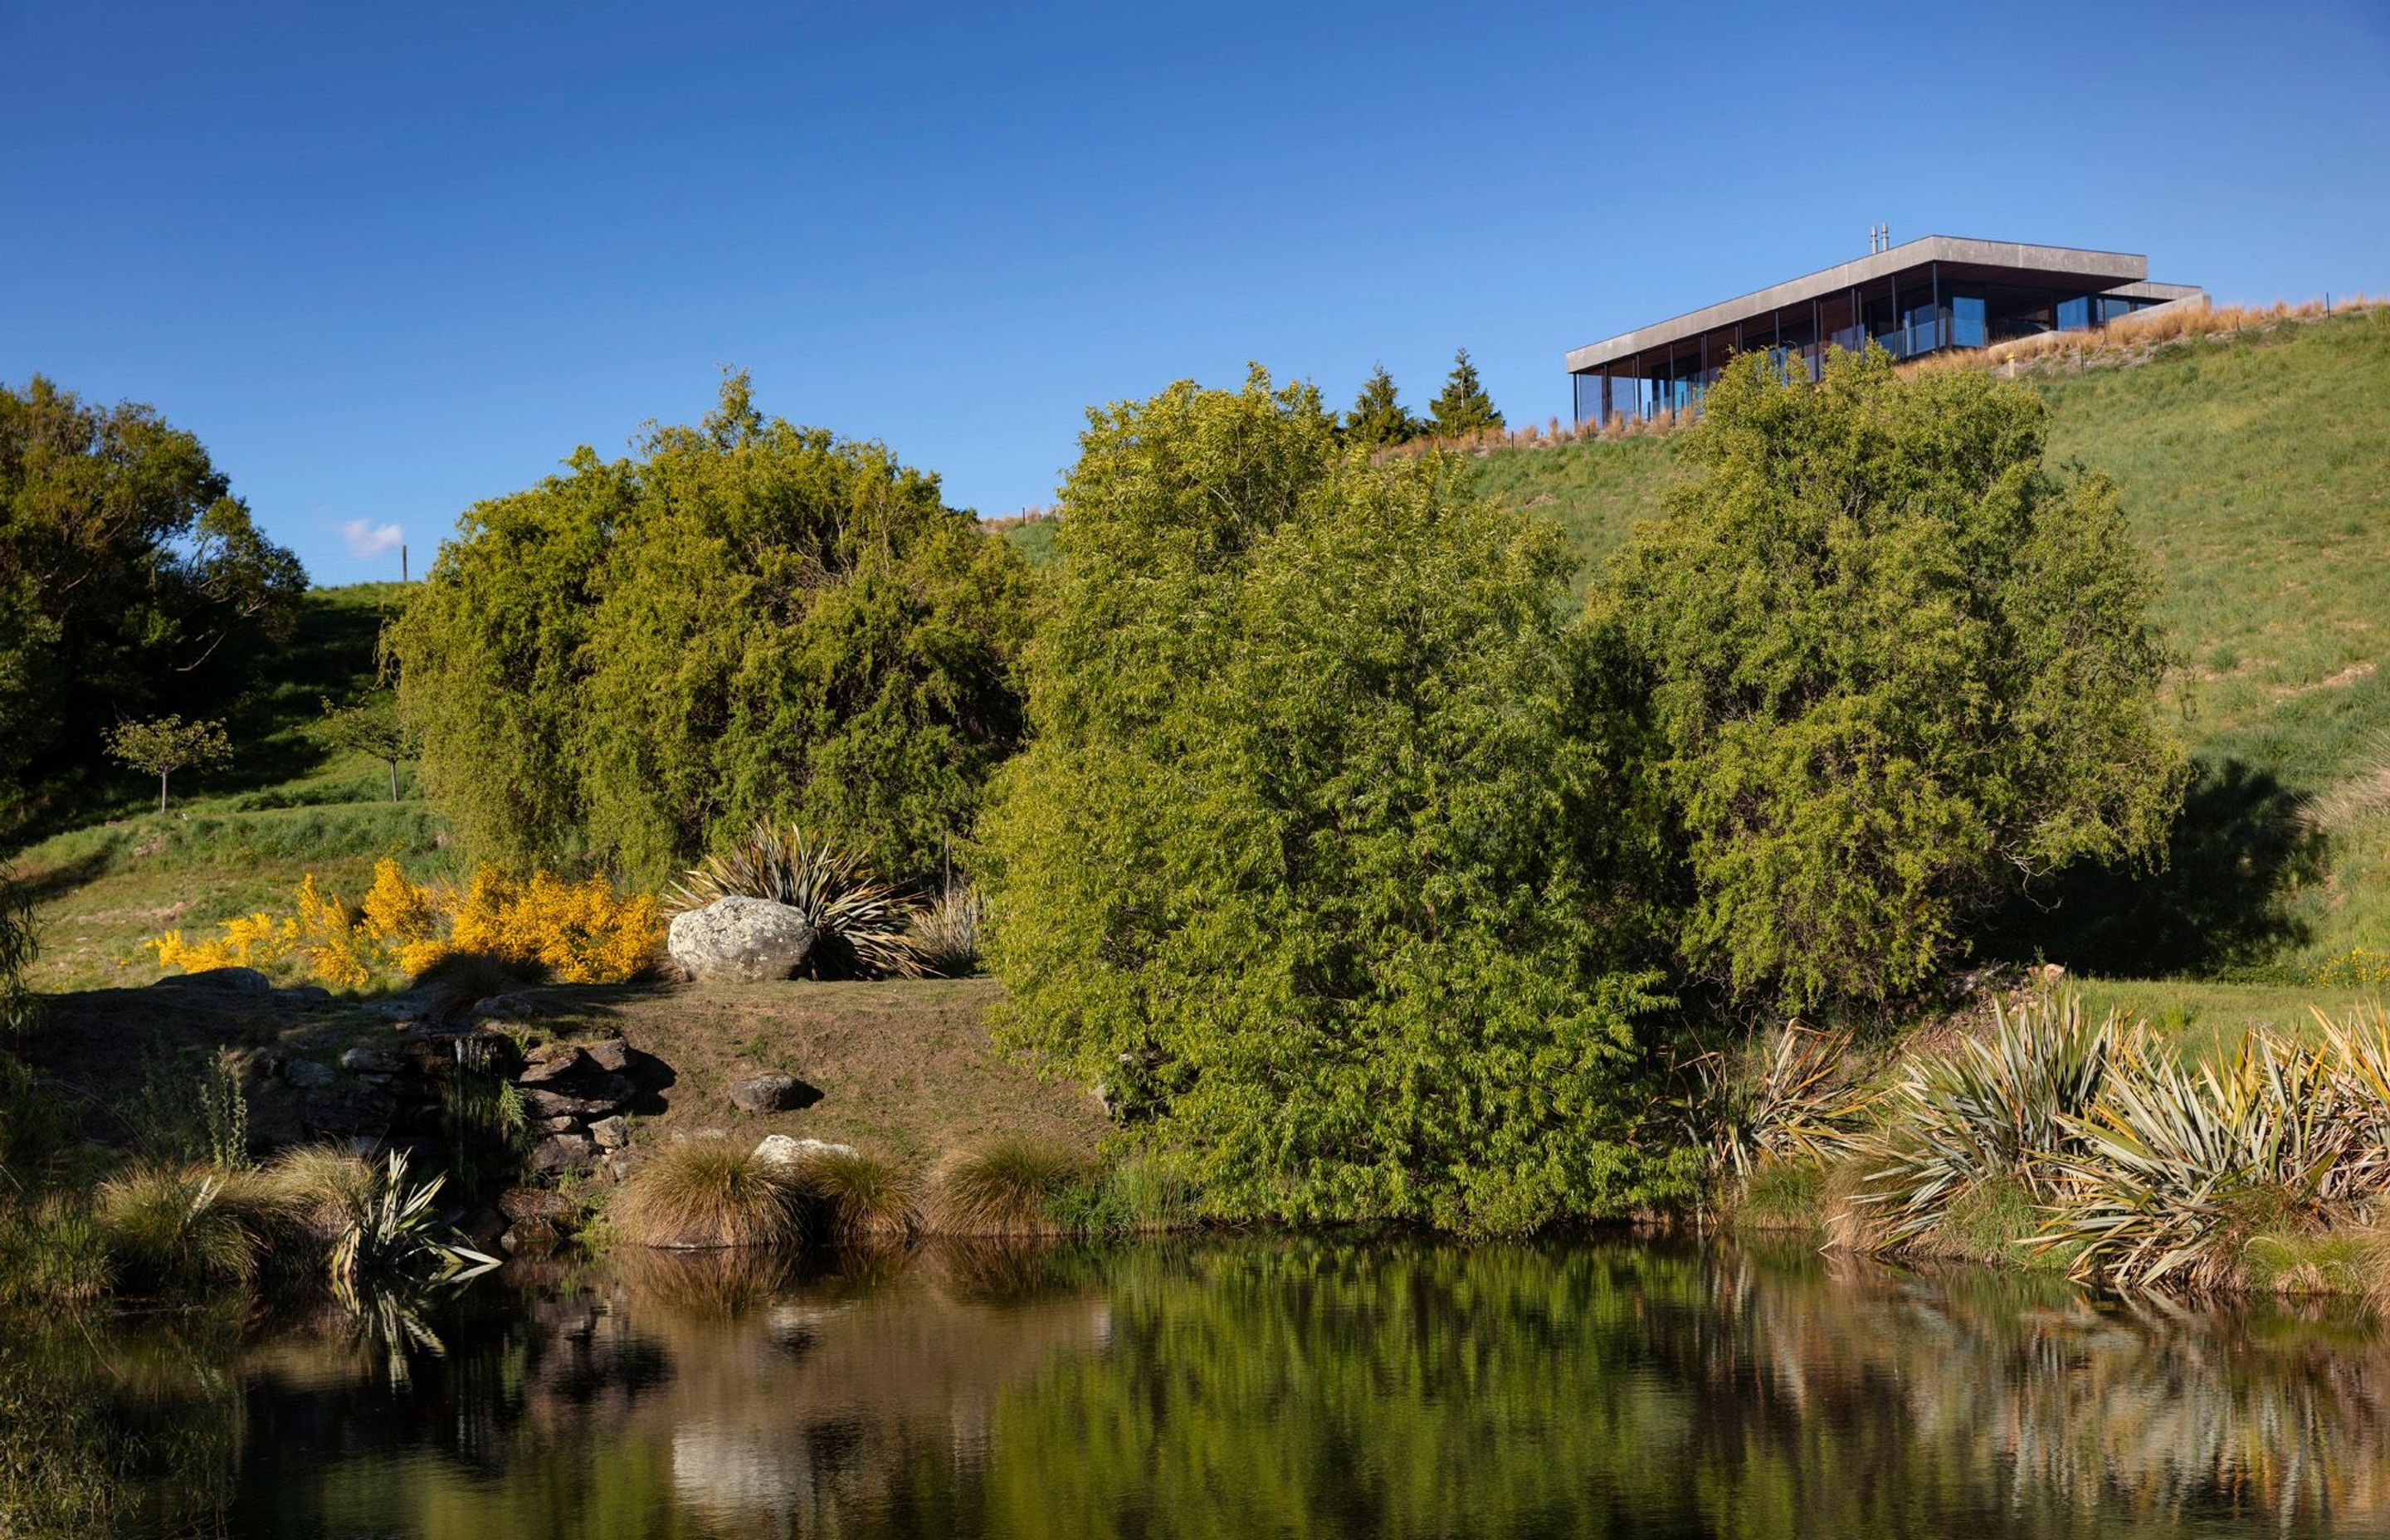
(581, 932)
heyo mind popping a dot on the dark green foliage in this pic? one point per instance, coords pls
(1378, 419)
(19, 946)
(128, 575)
(1463, 407)
(1895, 667)
(749, 619)
(1316, 857)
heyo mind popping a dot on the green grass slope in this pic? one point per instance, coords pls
(239, 838)
(2257, 474)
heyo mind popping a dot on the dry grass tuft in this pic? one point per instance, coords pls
(165, 1227)
(945, 934)
(1006, 1188)
(323, 1188)
(857, 1199)
(709, 1193)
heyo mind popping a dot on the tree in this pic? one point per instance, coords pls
(163, 745)
(128, 572)
(1463, 407)
(370, 725)
(1317, 858)
(1897, 669)
(749, 619)
(1379, 419)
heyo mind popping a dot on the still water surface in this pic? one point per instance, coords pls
(1255, 1388)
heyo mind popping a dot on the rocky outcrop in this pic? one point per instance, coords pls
(741, 939)
(237, 980)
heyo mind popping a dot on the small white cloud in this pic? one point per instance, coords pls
(368, 541)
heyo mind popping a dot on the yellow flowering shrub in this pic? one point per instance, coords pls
(2361, 967)
(583, 932)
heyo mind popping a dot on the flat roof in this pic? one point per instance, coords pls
(2104, 268)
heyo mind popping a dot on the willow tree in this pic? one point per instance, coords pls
(747, 619)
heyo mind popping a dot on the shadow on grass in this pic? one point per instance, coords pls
(2237, 850)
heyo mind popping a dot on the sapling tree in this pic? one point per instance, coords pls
(369, 725)
(160, 746)
(1379, 419)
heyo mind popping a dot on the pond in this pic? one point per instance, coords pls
(1245, 1387)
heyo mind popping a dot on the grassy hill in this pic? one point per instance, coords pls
(2256, 473)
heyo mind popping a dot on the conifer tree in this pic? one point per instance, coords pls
(1378, 419)
(1464, 408)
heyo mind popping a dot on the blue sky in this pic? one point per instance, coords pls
(389, 261)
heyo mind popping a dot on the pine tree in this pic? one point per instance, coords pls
(1378, 419)
(1464, 408)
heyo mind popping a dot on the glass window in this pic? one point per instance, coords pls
(2075, 314)
(1966, 320)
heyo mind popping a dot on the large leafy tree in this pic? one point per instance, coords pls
(1317, 857)
(1462, 406)
(129, 576)
(748, 619)
(1897, 668)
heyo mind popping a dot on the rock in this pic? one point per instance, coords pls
(563, 1153)
(611, 1133)
(564, 1124)
(550, 1062)
(535, 1207)
(367, 1061)
(591, 1098)
(356, 1114)
(508, 1007)
(773, 1094)
(305, 996)
(237, 980)
(613, 1056)
(307, 1075)
(743, 940)
(780, 1149)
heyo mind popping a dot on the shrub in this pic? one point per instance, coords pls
(391, 1230)
(19, 944)
(1986, 1112)
(1896, 670)
(2176, 1170)
(1011, 1188)
(859, 926)
(1787, 1098)
(749, 619)
(581, 932)
(1318, 857)
(707, 1193)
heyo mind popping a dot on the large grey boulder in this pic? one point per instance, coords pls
(773, 1094)
(743, 940)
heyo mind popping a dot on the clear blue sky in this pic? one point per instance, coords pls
(388, 260)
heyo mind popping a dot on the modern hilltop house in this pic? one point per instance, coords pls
(1922, 297)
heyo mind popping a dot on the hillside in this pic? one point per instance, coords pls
(2257, 474)
(239, 839)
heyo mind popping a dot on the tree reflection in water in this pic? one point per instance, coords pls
(1276, 1385)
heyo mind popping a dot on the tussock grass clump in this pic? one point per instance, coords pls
(945, 934)
(1011, 1188)
(171, 1226)
(322, 1189)
(860, 921)
(855, 1198)
(706, 1194)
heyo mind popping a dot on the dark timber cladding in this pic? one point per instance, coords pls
(1941, 291)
